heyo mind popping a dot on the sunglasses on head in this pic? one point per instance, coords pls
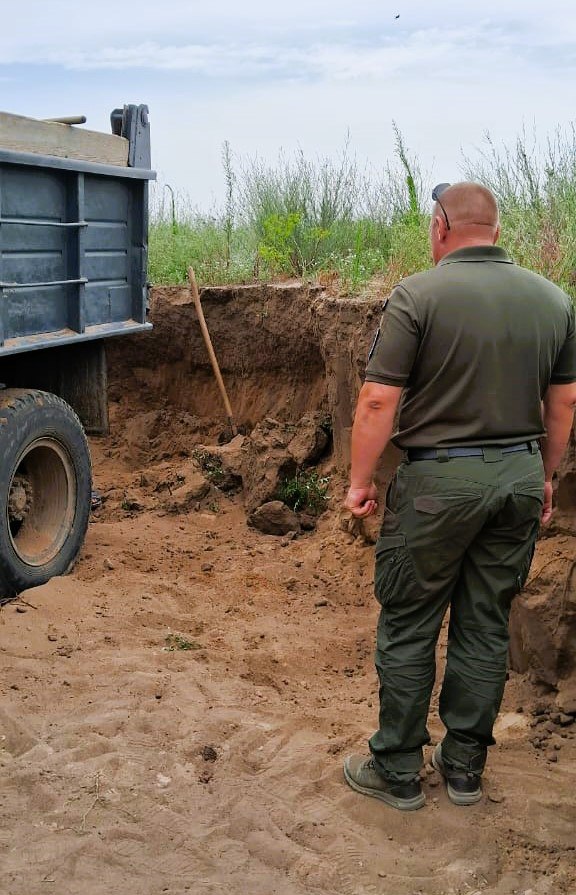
(436, 193)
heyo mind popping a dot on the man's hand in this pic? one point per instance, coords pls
(547, 508)
(362, 501)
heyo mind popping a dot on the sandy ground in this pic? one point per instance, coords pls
(129, 765)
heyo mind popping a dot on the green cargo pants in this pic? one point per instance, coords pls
(457, 533)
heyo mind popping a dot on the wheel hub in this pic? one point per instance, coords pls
(20, 498)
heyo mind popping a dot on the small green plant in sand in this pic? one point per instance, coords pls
(307, 490)
(176, 642)
(210, 465)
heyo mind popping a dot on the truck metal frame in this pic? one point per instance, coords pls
(73, 260)
(73, 244)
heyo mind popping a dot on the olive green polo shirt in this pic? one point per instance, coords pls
(475, 342)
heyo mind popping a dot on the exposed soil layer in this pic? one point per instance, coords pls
(175, 713)
(283, 350)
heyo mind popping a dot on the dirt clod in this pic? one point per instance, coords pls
(209, 753)
(274, 518)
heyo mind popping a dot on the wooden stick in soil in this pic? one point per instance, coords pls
(210, 349)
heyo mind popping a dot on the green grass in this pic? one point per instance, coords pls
(202, 243)
(178, 642)
(535, 184)
(305, 491)
(210, 465)
(332, 220)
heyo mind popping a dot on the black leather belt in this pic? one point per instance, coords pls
(477, 451)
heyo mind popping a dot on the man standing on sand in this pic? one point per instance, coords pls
(483, 355)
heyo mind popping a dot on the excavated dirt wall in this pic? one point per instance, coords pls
(283, 350)
(286, 350)
(266, 346)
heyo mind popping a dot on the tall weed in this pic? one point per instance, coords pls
(535, 184)
(332, 218)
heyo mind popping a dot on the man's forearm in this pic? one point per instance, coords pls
(558, 421)
(371, 433)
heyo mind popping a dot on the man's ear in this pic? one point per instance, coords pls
(440, 226)
(497, 234)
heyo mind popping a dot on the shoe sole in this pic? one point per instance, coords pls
(457, 798)
(388, 798)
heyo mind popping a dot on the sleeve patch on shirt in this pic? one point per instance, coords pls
(374, 343)
(377, 336)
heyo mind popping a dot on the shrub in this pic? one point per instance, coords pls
(315, 217)
(535, 185)
(298, 217)
(306, 490)
(210, 465)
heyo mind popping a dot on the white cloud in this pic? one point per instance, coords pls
(266, 75)
(259, 36)
(431, 51)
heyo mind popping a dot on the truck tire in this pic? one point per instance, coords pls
(45, 488)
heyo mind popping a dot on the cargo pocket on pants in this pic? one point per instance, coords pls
(394, 571)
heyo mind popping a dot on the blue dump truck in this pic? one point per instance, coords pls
(73, 259)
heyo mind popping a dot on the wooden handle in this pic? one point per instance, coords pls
(67, 119)
(210, 349)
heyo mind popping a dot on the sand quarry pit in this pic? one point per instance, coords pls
(131, 765)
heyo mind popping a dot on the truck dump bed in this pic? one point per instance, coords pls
(73, 231)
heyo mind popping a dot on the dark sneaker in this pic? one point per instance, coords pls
(464, 787)
(362, 776)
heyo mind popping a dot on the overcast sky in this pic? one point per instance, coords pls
(266, 75)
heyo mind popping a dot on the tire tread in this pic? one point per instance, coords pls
(14, 402)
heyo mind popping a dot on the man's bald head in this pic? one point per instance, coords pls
(465, 215)
(469, 204)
